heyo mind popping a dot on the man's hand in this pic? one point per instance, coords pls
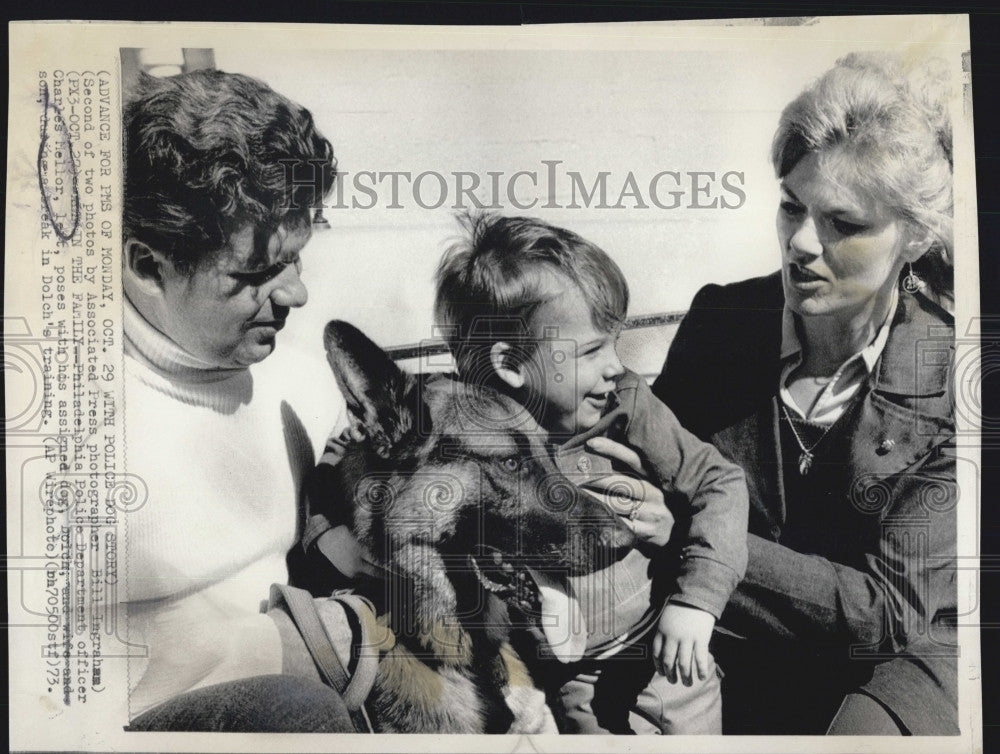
(680, 645)
(639, 503)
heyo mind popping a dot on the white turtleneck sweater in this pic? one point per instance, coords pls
(222, 454)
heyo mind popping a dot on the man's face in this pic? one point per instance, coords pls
(230, 309)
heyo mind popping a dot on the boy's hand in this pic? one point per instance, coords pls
(639, 503)
(680, 645)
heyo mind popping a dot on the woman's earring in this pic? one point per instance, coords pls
(912, 283)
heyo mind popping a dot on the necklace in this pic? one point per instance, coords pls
(806, 457)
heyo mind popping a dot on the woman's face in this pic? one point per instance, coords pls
(840, 248)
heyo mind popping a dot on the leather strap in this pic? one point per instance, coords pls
(363, 679)
(302, 610)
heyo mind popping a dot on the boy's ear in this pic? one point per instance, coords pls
(507, 368)
(144, 265)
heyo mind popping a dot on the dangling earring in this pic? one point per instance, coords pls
(912, 283)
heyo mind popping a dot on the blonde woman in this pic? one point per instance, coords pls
(829, 382)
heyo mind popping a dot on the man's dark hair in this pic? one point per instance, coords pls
(208, 152)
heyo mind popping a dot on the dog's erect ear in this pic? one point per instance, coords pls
(378, 393)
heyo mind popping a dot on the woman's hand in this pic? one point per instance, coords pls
(639, 503)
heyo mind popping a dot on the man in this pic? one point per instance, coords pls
(221, 173)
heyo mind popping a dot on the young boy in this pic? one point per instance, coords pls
(535, 311)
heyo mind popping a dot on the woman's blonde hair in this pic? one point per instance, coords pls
(885, 123)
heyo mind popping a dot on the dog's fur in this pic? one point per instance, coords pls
(454, 493)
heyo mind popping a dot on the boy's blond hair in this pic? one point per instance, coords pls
(490, 283)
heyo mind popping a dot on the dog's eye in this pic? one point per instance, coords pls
(511, 464)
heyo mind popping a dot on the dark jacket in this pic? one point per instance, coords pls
(884, 612)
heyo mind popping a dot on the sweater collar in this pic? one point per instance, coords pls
(171, 370)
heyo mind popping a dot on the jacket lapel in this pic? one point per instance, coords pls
(908, 408)
(753, 443)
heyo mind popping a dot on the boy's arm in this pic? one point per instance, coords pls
(712, 507)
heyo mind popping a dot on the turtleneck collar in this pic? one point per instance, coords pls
(171, 370)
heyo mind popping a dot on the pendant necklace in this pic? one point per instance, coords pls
(806, 457)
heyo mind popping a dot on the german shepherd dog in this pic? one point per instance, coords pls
(454, 495)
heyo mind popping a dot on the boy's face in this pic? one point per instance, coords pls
(568, 378)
